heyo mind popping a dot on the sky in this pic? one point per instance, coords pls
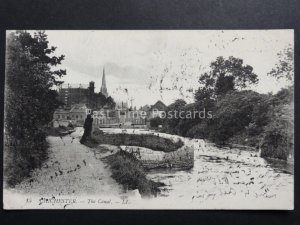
(147, 66)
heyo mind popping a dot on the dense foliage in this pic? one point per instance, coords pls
(264, 121)
(98, 100)
(29, 101)
(155, 122)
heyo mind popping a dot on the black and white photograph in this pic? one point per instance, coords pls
(149, 119)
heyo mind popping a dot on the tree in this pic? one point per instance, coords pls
(233, 113)
(172, 120)
(227, 75)
(189, 120)
(284, 69)
(278, 140)
(100, 100)
(224, 84)
(205, 98)
(30, 99)
(110, 102)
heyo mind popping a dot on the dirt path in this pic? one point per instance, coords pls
(72, 169)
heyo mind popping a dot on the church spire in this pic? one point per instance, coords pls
(103, 89)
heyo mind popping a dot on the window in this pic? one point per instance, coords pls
(76, 116)
(63, 116)
(58, 116)
(81, 116)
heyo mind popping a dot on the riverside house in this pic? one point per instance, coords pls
(76, 114)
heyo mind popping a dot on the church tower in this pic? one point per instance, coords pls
(103, 89)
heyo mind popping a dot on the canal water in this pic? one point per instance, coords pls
(228, 178)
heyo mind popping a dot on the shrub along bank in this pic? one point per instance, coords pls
(129, 172)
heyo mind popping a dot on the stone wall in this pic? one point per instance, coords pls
(183, 158)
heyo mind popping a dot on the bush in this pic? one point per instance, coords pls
(198, 131)
(129, 172)
(278, 141)
(27, 155)
(275, 144)
(155, 122)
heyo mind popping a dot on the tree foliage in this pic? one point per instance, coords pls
(110, 102)
(227, 75)
(239, 116)
(278, 138)
(98, 100)
(235, 112)
(284, 68)
(29, 96)
(171, 123)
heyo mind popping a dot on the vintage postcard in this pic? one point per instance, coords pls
(149, 119)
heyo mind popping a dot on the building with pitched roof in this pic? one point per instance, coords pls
(157, 110)
(76, 115)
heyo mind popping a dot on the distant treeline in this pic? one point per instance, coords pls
(264, 121)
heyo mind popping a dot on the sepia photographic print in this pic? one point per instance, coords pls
(149, 119)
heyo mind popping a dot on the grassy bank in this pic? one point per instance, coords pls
(153, 142)
(129, 172)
